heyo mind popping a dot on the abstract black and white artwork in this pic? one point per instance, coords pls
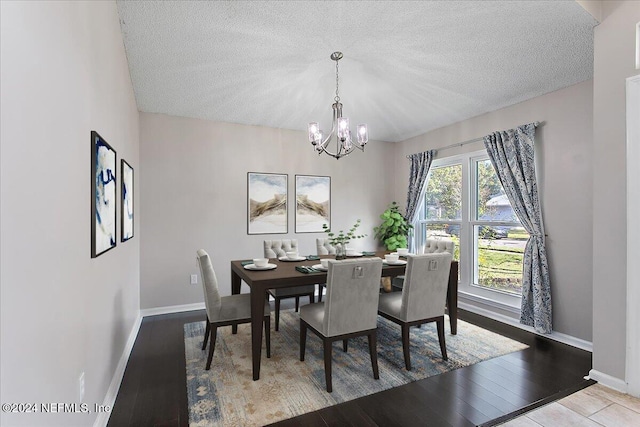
(126, 220)
(313, 203)
(266, 203)
(103, 196)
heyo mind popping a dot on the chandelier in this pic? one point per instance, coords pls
(339, 128)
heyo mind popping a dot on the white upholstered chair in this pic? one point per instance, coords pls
(431, 246)
(323, 247)
(422, 299)
(224, 310)
(277, 249)
(350, 309)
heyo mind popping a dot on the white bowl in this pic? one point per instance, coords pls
(261, 262)
(292, 254)
(403, 251)
(325, 262)
(393, 257)
(351, 252)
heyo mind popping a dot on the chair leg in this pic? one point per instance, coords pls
(303, 339)
(267, 334)
(373, 351)
(206, 334)
(277, 314)
(327, 364)
(212, 345)
(344, 345)
(312, 298)
(297, 303)
(405, 346)
(443, 345)
(320, 289)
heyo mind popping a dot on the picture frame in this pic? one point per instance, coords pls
(313, 203)
(267, 195)
(127, 202)
(103, 195)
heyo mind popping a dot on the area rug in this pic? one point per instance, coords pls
(226, 395)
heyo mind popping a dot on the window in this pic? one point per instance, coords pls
(464, 201)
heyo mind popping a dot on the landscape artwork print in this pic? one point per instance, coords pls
(267, 203)
(103, 196)
(126, 221)
(313, 203)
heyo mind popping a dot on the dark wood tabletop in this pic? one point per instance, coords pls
(286, 275)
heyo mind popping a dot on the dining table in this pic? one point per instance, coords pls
(286, 275)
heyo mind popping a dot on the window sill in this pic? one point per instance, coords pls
(491, 300)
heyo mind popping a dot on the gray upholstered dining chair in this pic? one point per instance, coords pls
(350, 309)
(277, 249)
(323, 247)
(431, 246)
(225, 310)
(422, 299)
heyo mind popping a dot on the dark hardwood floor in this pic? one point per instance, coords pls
(153, 390)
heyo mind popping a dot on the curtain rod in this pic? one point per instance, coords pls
(460, 144)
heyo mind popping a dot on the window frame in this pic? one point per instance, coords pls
(468, 249)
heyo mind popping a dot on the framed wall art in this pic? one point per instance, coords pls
(126, 212)
(313, 203)
(266, 203)
(103, 196)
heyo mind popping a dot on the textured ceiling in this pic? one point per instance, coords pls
(408, 67)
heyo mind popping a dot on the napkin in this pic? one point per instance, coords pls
(365, 253)
(312, 257)
(306, 270)
(246, 262)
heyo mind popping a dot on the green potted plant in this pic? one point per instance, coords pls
(340, 241)
(394, 229)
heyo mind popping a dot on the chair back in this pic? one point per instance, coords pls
(279, 248)
(323, 247)
(437, 246)
(353, 290)
(426, 281)
(212, 300)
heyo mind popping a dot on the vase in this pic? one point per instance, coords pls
(341, 252)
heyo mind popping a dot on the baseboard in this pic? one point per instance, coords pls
(556, 336)
(171, 309)
(112, 391)
(608, 381)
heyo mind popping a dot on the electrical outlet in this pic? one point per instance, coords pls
(194, 279)
(81, 387)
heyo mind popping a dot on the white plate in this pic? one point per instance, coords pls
(284, 258)
(255, 267)
(355, 254)
(320, 267)
(398, 262)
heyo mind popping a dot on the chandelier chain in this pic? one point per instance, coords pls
(337, 98)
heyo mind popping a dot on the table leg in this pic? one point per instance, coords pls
(257, 315)
(236, 282)
(452, 298)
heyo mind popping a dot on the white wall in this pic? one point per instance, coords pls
(194, 195)
(614, 61)
(564, 171)
(64, 73)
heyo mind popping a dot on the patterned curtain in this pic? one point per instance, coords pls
(420, 164)
(511, 153)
